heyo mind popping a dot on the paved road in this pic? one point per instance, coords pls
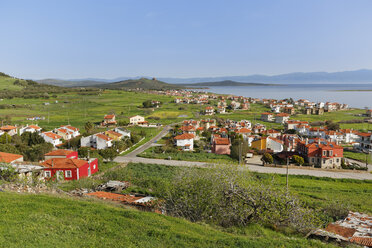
(145, 146)
(254, 164)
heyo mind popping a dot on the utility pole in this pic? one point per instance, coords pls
(287, 173)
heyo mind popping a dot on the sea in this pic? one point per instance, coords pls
(312, 92)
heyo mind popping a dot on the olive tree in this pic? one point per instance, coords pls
(229, 197)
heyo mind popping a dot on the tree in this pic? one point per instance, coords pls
(5, 139)
(147, 104)
(298, 160)
(108, 154)
(267, 158)
(88, 127)
(229, 197)
(332, 125)
(123, 123)
(83, 152)
(239, 149)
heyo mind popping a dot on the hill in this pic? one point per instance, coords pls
(69, 83)
(357, 76)
(224, 83)
(50, 221)
(10, 83)
(144, 83)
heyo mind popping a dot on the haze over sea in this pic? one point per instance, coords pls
(312, 92)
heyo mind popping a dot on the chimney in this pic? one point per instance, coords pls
(52, 162)
(306, 141)
(319, 141)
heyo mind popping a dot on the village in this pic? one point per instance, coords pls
(295, 142)
(273, 139)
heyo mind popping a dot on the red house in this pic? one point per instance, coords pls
(321, 153)
(221, 146)
(69, 168)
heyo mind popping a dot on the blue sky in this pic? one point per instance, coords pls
(182, 38)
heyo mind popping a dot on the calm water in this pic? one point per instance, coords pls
(314, 92)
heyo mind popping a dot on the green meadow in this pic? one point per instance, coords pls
(53, 221)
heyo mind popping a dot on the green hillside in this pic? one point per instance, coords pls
(144, 83)
(7, 83)
(49, 221)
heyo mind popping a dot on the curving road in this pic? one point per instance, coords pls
(253, 165)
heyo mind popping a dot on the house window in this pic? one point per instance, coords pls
(324, 153)
(324, 161)
(48, 174)
(330, 153)
(68, 173)
(337, 160)
(312, 160)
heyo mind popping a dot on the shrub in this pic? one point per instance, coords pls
(228, 197)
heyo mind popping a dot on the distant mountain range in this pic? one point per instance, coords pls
(223, 83)
(144, 83)
(358, 76)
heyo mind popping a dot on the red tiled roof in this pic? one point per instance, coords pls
(64, 163)
(184, 136)
(71, 128)
(366, 241)
(222, 141)
(59, 152)
(102, 136)
(34, 127)
(109, 116)
(7, 128)
(52, 135)
(115, 197)
(114, 133)
(244, 130)
(9, 157)
(282, 115)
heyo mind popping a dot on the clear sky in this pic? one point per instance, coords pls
(182, 38)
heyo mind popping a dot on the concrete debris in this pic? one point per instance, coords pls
(113, 186)
(355, 228)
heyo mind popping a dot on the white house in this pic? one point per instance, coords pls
(52, 138)
(124, 132)
(281, 118)
(98, 141)
(74, 131)
(209, 110)
(274, 144)
(30, 128)
(267, 117)
(134, 120)
(185, 141)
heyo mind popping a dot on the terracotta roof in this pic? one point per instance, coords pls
(59, 152)
(116, 197)
(366, 241)
(109, 116)
(7, 128)
(52, 135)
(267, 113)
(222, 141)
(9, 157)
(114, 133)
(365, 134)
(184, 136)
(34, 127)
(64, 163)
(282, 115)
(102, 136)
(71, 128)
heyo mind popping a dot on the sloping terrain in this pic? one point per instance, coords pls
(50, 221)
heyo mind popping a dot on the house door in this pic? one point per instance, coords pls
(59, 175)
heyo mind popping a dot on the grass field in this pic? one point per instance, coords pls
(316, 192)
(358, 156)
(49, 221)
(190, 156)
(6, 83)
(77, 109)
